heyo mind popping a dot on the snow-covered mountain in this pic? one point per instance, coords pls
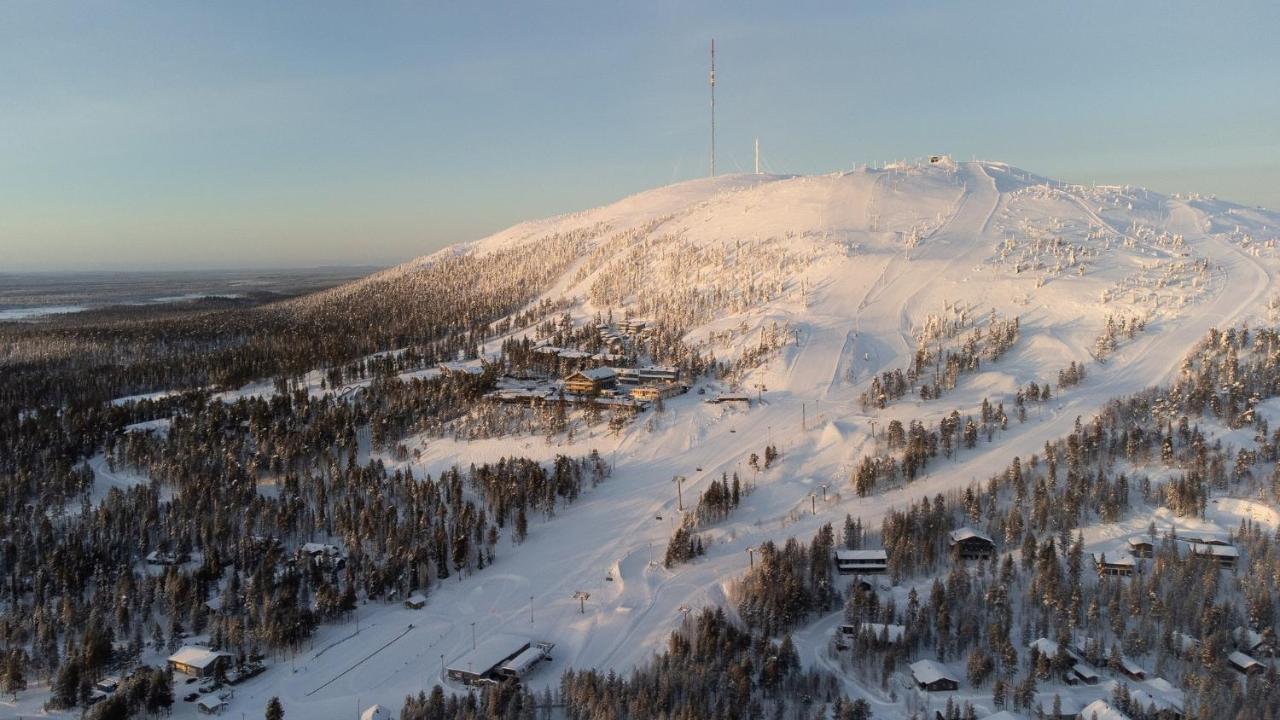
(856, 272)
(816, 294)
(858, 264)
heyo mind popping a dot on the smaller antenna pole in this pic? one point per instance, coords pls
(757, 156)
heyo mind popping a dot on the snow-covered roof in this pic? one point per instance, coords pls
(861, 555)
(1239, 659)
(470, 367)
(1165, 694)
(1067, 702)
(1084, 670)
(211, 703)
(1145, 699)
(1214, 550)
(197, 657)
(375, 712)
(1117, 559)
(1140, 541)
(1045, 646)
(522, 663)
(489, 653)
(1185, 642)
(1002, 715)
(600, 373)
(930, 671)
(1203, 538)
(894, 633)
(574, 354)
(1246, 638)
(416, 599)
(968, 533)
(1102, 710)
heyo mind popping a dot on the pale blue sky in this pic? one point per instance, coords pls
(229, 134)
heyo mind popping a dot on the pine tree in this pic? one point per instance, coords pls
(66, 684)
(275, 711)
(522, 524)
(15, 679)
(160, 691)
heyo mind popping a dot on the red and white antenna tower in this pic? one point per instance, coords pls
(713, 107)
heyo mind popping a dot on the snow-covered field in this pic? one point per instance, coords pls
(853, 264)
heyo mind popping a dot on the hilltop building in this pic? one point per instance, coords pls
(969, 544)
(591, 381)
(861, 562)
(199, 662)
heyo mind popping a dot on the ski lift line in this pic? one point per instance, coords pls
(362, 661)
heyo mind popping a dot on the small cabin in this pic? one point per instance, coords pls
(1165, 707)
(880, 634)
(1131, 669)
(1224, 555)
(1082, 673)
(1116, 565)
(1250, 642)
(211, 705)
(155, 557)
(933, 676)
(1045, 647)
(969, 544)
(1244, 664)
(1067, 706)
(1101, 710)
(416, 601)
(1184, 645)
(861, 562)
(1141, 547)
